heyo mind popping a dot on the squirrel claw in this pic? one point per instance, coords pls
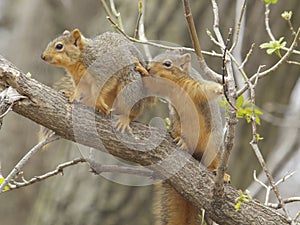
(139, 67)
(122, 124)
(181, 143)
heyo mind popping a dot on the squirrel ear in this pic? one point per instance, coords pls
(78, 38)
(186, 62)
(66, 32)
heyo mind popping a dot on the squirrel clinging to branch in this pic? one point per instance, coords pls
(193, 131)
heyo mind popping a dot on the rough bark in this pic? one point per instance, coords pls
(75, 122)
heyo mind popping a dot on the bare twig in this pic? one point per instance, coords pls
(212, 38)
(192, 29)
(214, 54)
(285, 201)
(194, 37)
(224, 71)
(237, 33)
(247, 57)
(59, 170)
(140, 14)
(116, 13)
(141, 30)
(267, 22)
(25, 159)
(216, 24)
(98, 168)
(269, 188)
(106, 9)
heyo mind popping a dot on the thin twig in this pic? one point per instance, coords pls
(140, 13)
(25, 159)
(59, 169)
(196, 44)
(106, 8)
(269, 188)
(98, 168)
(160, 45)
(216, 24)
(267, 23)
(285, 201)
(237, 33)
(293, 62)
(141, 31)
(116, 14)
(225, 88)
(213, 40)
(192, 29)
(247, 57)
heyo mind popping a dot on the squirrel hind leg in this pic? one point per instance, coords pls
(181, 143)
(102, 106)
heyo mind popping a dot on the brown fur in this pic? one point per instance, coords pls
(77, 54)
(168, 75)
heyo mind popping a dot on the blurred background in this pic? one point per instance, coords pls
(78, 197)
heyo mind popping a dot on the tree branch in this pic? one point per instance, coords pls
(79, 123)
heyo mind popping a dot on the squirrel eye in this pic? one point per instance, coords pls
(59, 46)
(167, 63)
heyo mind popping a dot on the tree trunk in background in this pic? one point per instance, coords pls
(78, 197)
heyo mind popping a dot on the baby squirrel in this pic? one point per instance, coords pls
(100, 68)
(164, 73)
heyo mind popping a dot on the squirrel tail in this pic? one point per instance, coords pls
(170, 208)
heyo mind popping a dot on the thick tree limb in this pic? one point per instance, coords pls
(78, 123)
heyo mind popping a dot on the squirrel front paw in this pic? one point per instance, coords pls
(139, 67)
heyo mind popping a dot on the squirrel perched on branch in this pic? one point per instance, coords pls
(193, 126)
(100, 69)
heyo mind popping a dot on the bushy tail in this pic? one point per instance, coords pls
(170, 208)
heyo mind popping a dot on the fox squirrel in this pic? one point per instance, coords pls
(100, 68)
(171, 208)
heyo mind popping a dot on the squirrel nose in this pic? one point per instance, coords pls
(43, 57)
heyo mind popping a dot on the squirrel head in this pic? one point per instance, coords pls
(66, 49)
(171, 65)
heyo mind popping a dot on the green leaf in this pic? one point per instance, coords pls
(140, 6)
(240, 101)
(245, 111)
(6, 188)
(243, 198)
(259, 138)
(168, 123)
(274, 46)
(270, 1)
